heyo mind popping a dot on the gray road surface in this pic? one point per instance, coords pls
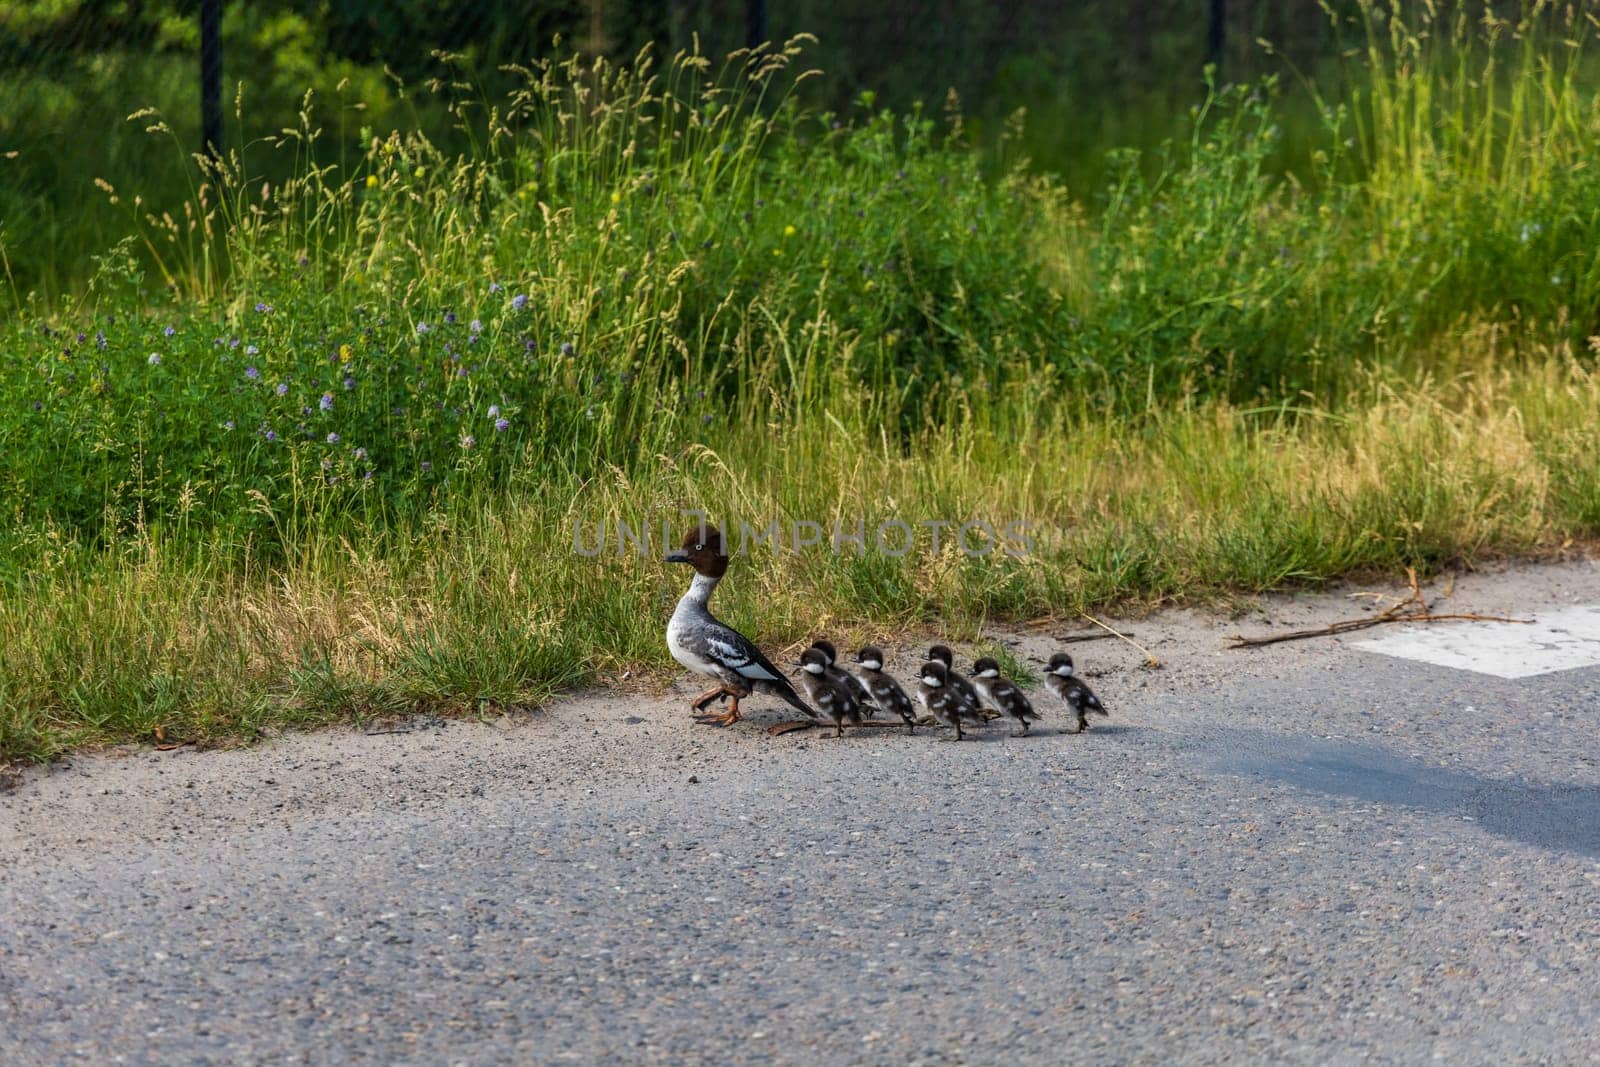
(1317, 855)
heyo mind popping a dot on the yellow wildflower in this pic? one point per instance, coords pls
(344, 353)
(372, 181)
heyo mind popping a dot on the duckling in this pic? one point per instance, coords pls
(835, 699)
(1002, 694)
(845, 678)
(884, 689)
(1074, 690)
(944, 701)
(957, 680)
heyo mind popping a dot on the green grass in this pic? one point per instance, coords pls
(315, 449)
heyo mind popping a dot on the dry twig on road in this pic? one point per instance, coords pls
(1412, 609)
(1149, 657)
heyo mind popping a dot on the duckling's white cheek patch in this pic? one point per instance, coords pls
(1561, 640)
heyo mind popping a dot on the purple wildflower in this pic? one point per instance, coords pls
(251, 350)
(519, 301)
(263, 308)
(495, 287)
(252, 373)
(155, 359)
(169, 331)
(272, 435)
(468, 441)
(567, 348)
(501, 424)
(494, 411)
(426, 466)
(228, 425)
(282, 389)
(326, 403)
(100, 338)
(449, 318)
(349, 383)
(333, 438)
(360, 453)
(476, 326)
(423, 328)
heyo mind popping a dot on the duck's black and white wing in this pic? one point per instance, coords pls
(887, 692)
(1077, 694)
(1011, 699)
(1080, 693)
(733, 652)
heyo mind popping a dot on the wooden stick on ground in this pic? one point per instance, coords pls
(1149, 659)
(1412, 609)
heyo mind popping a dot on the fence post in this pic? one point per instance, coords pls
(755, 23)
(211, 77)
(1216, 33)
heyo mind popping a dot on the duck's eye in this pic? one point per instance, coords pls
(698, 547)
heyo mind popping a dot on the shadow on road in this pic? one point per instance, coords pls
(1564, 818)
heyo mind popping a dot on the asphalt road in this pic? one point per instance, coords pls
(1337, 857)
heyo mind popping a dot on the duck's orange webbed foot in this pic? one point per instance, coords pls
(699, 703)
(730, 717)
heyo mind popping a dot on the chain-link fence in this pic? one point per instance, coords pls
(1093, 73)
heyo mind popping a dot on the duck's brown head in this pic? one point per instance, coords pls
(702, 550)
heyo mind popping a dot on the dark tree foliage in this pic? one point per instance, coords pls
(901, 49)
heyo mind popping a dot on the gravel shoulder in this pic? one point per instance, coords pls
(1303, 852)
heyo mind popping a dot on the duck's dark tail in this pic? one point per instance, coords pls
(781, 688)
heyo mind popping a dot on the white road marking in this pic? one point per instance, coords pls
(1561, 640)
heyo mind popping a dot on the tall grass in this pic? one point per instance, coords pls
(320, 448)
(491, 604)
